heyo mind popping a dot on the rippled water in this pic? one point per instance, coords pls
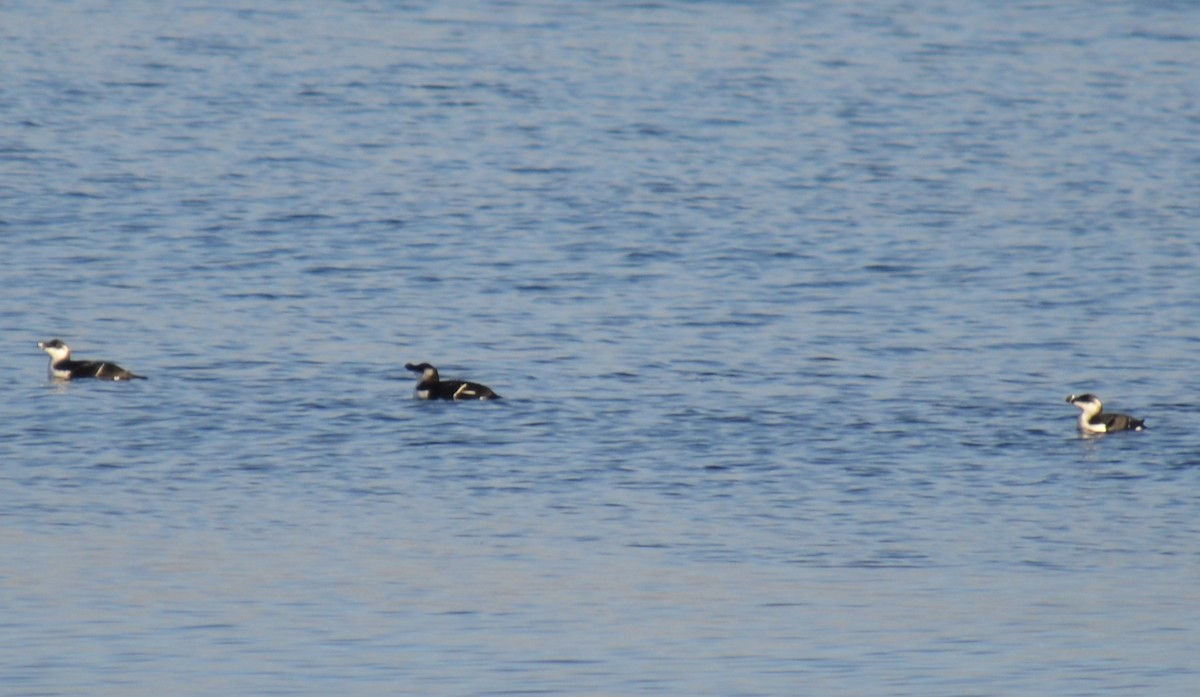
(784, 299)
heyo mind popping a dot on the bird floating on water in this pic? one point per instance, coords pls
(1094, 420)
(431, 386)
(63, 368)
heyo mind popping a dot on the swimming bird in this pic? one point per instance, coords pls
(1094, 420)
(63, 368)
(431, 386)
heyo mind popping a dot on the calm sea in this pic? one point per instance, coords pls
(785, 299)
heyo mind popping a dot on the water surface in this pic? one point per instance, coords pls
(784, 299)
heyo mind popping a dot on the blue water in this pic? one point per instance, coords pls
(784, 298)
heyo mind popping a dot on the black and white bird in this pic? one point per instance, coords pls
(1094, 420)
(63, 368)
(431, 386)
